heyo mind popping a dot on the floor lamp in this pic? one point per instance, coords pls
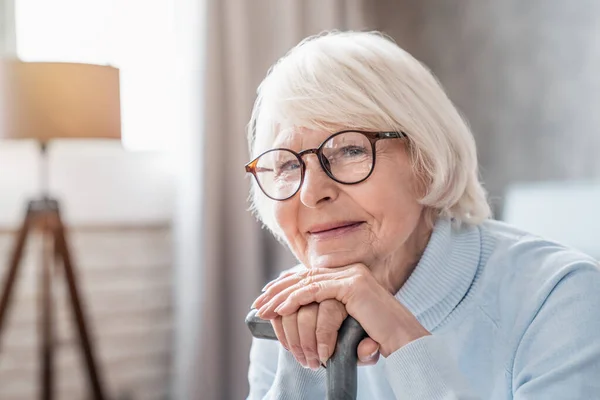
(43, 102)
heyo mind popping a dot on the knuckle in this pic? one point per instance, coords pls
(314, 287)
(327, 326)
(360, 267)
(360, 270)
(358, 279)
(333, 311)
(308, 309)
(340, 315)
(307, 314)
(324, 332)
(331, 305)
(311, 289)
(309, 349)
(296, 348)
(306, 281)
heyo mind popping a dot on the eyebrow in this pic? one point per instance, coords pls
(289, 135)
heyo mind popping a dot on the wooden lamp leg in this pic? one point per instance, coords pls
(78, 309)
(45, 214)
(13, 268)
(46, 306)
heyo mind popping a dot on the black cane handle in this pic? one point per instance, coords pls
(341, 367)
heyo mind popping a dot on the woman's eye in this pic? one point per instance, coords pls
(353, 151)
(288, 166)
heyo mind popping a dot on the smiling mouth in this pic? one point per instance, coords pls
(335, 231)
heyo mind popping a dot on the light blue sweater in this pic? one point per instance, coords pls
(512, 316)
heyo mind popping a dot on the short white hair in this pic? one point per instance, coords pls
(363, 80)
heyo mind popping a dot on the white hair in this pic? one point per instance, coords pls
(363, 80)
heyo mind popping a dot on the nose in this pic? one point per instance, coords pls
(317, 188)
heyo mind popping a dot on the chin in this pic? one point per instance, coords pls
(334, 260)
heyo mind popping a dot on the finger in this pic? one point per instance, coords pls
(368, 352)
(290, 327)
(329, 320)
(266, 311)
(270, 293)
(291, 285)
(284, 274)
(279, 332)
(274, 287)
(297, 275)
(314, 275)
(315, 292)
(307, 326)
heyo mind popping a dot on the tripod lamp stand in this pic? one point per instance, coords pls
(46, 101)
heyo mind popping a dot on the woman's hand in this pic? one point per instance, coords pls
(311, 334)
(385, 319)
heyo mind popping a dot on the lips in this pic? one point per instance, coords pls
(333, 227)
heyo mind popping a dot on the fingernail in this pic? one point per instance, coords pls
(314, 364)
(269, 284)
(260, 300)
(262, 310)
(323, 351)
(279, 307)
(302, 362)
(372, 355)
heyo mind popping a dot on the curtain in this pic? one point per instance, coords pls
(244, 39)
(8, 42)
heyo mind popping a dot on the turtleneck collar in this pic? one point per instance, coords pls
(444, 273)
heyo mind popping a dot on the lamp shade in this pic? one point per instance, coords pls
(47, 100)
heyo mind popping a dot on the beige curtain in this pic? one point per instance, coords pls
(244, 39)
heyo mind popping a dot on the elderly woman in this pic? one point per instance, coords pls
(366, 171)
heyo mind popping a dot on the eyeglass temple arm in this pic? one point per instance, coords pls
(391, 135)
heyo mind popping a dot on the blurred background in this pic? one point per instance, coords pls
(168, 257)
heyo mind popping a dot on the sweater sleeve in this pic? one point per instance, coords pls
(558, 356)
(274, 374)
(425, 370)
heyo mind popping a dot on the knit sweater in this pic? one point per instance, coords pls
(512, 316)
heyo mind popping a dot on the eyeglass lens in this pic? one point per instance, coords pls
(347, 157)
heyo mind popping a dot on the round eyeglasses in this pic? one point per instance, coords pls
(347, 157)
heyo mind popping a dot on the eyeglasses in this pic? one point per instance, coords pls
(347, 157)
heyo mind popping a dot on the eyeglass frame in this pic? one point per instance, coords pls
(373, 138)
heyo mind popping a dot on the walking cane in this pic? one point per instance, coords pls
(341, 367)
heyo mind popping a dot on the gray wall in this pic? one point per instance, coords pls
(524, 73)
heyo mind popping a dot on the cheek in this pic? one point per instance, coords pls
(399, 179)
(392, 199)
(286, 217)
